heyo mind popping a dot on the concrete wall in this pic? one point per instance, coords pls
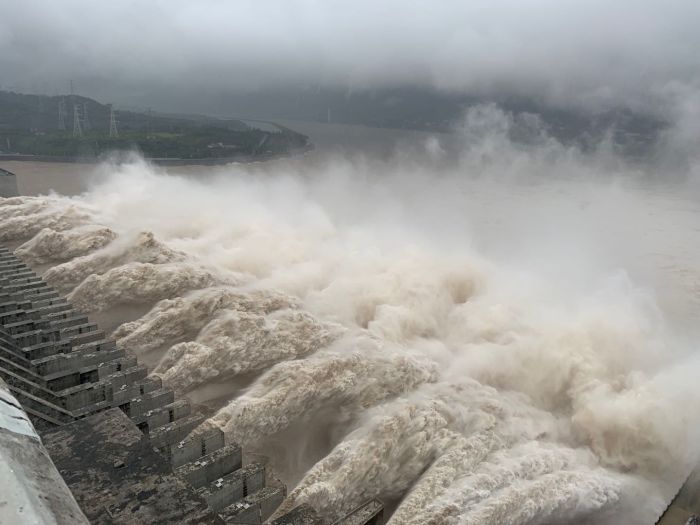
(32, 489)
(8, 184)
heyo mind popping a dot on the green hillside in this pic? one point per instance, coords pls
(30, 125)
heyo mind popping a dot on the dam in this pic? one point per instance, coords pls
(8, 184)
(122, 443)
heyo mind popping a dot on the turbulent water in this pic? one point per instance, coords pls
(503, 339)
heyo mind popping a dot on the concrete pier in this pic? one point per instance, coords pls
(32, 489)
(8, 184)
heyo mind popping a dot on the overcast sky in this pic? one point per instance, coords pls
(586, 53)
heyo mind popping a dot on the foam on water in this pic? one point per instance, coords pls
(50, 246)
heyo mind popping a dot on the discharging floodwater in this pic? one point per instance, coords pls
(493, 322)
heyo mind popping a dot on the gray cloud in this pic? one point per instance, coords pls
(638, 53)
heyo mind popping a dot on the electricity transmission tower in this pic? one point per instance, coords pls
(86, 121)
(77, 130)
(62, 114)
(113, 133)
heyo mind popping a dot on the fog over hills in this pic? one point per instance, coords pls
(296, 58)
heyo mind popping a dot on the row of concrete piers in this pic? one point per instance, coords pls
(121, 440)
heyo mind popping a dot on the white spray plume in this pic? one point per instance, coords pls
(504, 340)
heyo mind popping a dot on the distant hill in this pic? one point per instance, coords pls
(39, 112)
(30, 125)
(432, 110)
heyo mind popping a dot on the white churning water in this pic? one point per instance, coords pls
(506, 338)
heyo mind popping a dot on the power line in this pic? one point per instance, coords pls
(113, 133)
(77, 130)
(86, 121)
(62, 114)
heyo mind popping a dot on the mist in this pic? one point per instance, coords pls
(179, 56)
(453, 334)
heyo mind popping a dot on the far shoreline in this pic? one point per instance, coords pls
(162, 161)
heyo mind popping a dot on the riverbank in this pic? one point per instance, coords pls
(159, 161)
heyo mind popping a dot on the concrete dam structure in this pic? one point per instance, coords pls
(8, 184)
(122, 443)
(33, 490)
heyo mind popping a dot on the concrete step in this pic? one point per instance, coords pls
(41, 408)
(51, 301)
(11, 352)
(80, 396)
(42, 423)
(62, 314)
(7, 338)
(233, 487)
(162, 415)
(28, 278)
(61, 320)
(35, 294)
(89, 334)
(12, 281)
(117, 477)
(211, 467)
(91, 409)
(72, 379)
(8, 306)
(137, 408)
(59, 365)
(175, 432)
(25, 384)
(15, 286)
(34, 337)
(194, 446)
(122, 379)
(98, 345)
(112, 366)
(41, 295)
(255, 508)
(22, 281)
(12, 267)
(13, 316)
(19, 273)
(135, 397)
(13, 270)
(24, 326)
(58, 307)
(19, 368)
(74, 330)
(63, 367)
(43, 349)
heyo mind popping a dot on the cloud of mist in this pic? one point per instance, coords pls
(592, 54)
(453, 336)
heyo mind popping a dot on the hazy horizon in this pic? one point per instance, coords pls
(589, 56)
